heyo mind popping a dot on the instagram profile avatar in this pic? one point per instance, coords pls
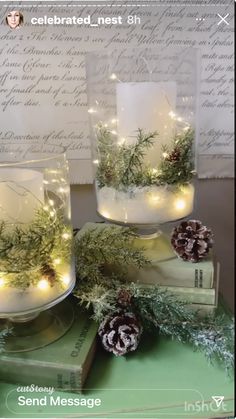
(14, 19)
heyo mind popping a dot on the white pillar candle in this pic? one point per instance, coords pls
(149, 106)
(21, 194)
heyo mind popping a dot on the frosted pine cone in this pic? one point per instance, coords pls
(120, 334)
(191, 240)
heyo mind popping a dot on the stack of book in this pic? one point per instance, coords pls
(196, 283)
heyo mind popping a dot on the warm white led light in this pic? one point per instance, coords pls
(113, 76)
(2, 282)
(66, 279)
(57, 261)
(43, 284)
(172, 114)
(121, 141)
(165, 155)
(53, 171)
(91, 110)
(155, 198)
(66, 236)
(61, 190)
(154, 171)
(95, 161)
(180, 204)
(105, 213)
(51, 202)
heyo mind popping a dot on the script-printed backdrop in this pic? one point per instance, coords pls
(43, 103)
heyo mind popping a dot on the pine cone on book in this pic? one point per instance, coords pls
(191, 240)
(120, 333)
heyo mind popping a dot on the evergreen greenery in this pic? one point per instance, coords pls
(177, 167)
(25, 253)
(122, 165)
(103, 256)
(106, 247)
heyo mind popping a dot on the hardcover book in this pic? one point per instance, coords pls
(173, 272)
(199, 298)
(63, 364)
(192, 295)
(210, 309)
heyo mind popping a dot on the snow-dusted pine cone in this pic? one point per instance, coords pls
(120, 333)
(191, 240)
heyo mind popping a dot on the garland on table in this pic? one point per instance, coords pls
(125, 309)
(122, 165)
(28, 254)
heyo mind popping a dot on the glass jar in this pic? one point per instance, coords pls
(36, 267)
(143, 107)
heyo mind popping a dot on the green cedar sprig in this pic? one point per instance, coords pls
(122, 166)
(132, 156)
(177, 167)
(105, 246)
(119, 165)
(24, 252)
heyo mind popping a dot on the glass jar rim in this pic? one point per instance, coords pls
(25, 162)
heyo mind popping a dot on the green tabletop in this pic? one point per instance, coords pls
(163, 379)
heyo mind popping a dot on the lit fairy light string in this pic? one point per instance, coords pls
(42, 273)
(180, 204)
(114, 77)
(65, 280)
(57, 261)
(92, 110)
(2, 281)
(43, 285)
(121, 141)
(178, 118)
(66, 236)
